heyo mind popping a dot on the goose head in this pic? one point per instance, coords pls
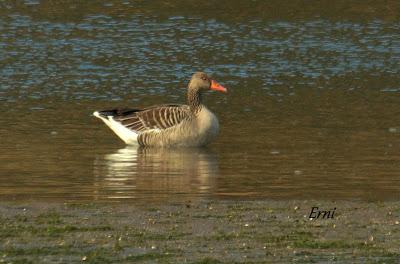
(202, 82)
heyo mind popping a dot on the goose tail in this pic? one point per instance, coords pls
(127, 135)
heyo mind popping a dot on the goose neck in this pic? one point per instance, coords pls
(194, 100)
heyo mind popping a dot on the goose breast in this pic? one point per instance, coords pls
(207, 125)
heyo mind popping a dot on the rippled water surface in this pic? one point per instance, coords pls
(313, 109)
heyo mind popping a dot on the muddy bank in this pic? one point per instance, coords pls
(199, 232)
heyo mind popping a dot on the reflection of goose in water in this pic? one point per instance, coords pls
(134, 172)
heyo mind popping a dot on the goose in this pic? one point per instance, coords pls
(171, 125)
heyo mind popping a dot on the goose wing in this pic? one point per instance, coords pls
(152, 118)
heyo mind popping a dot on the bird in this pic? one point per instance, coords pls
(169, 125)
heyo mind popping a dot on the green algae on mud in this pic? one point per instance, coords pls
(202, 232)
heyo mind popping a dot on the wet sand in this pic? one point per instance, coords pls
(199, 232)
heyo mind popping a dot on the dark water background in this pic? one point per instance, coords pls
(313, 109)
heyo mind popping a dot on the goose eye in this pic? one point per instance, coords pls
(203, 78)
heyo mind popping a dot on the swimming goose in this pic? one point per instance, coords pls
(188, 125)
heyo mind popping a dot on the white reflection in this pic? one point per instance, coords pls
(154, 173)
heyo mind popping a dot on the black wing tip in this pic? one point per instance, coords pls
(115, 112)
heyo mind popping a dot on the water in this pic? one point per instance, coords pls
(312, 110)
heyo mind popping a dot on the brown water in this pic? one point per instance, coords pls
(313, 109)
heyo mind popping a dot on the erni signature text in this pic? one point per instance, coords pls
(321, 214)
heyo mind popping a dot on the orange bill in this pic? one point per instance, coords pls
(217, 87)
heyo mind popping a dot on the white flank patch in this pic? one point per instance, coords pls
(127, 135)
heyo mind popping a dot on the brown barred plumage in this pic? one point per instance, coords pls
(158, 117)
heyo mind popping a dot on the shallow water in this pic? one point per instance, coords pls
(312, 110)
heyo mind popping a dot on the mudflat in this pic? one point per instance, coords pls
(222, 231)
